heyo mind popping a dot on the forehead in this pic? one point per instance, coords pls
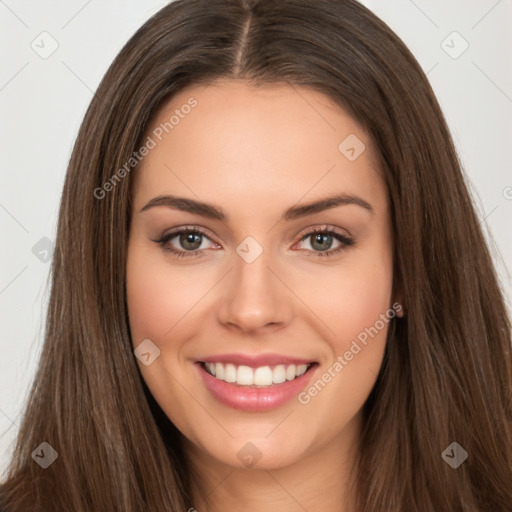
(233, 142)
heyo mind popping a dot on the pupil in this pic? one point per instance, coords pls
(190, 238)
(322, 239)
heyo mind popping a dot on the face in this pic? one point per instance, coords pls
(240, 266)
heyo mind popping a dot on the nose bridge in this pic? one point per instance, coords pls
(254, 284)
(253, 277)
(255, 297)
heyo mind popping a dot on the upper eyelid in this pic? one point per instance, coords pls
(308, 231)
(323, 227)
(190, 228)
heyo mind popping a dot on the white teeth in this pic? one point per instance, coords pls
(230, 373)
(244, 376)
(219, 371)
(301, 370)
(279, 374)
(261, 376)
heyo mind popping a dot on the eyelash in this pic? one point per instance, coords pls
(345, 241)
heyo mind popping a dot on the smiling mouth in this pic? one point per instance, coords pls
(262, 376)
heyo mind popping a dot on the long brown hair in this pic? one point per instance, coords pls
(447, 370)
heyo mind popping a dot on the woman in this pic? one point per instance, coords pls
(346, 347)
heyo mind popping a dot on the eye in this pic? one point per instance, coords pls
(321, 240)
(189, 238)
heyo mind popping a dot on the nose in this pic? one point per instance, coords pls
(255, 296)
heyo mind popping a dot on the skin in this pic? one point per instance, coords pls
(255, 152)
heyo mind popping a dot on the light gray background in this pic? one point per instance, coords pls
(43, 100)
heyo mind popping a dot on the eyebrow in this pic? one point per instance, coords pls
(294, 212)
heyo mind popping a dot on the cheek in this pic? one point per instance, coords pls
(356, 296)
(356, 316)
(357, 311)
(159, 299)
(158, 296)
(367, 295)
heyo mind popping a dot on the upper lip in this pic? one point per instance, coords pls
(254, 361)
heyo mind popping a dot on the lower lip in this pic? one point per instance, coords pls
(254, 399)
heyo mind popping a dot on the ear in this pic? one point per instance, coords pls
(398, 308)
